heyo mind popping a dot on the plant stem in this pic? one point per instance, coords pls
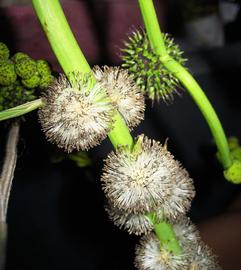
(60, 37)
(156, 39)
(205, 107)
(153, 29)
(51, 15)
(70, 56)
(21, 109)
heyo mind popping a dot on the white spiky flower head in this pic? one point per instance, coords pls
(150, 255)
(181, 195)
(76, 117)
(141, 181)
(123, 92)
(137, 224)
(203, 258)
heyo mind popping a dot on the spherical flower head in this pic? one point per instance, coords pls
(137, 224)
(43, 67)
(4, 51)
(32, 82)
(45, 81)
(123, 92)
(7, 73)
(140, 180)
(19, 56)
(76, 117)
(181, 195)
(148, 71)
(150, 255)
(202, 258)
(26, 68)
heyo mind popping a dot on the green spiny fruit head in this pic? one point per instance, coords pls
(26, 68)
(148, 71)
(32, 82)
(45, 81)
(7, 73)
(4, 51)
(18, 56)
(43, 67)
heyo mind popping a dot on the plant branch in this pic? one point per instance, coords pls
(156, 39)
(21, 109)
(51, 16)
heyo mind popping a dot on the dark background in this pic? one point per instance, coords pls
(56, 217)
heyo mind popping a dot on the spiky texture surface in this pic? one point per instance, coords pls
(137, 224)
(148, 71)
(150, 255)
(142, 182)
(123, 92)
(76, 118)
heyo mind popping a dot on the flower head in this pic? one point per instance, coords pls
(203, 258)
(150, 255)
(75, 117)
(123, 92)
(145, 65)
(181, 195)
(141, 182)
(134, 223)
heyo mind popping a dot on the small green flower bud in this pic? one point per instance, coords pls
(45, 81)
(4, 51)
(31, 82)
(7, 73)
(43, 67)
(26, 68)
(233, 173)
(18, 56)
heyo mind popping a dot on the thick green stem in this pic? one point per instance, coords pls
(156, 39)
(61, 38)
(166, 235)
(205, 107)
(153, 29)
(70, 56)
(71, 59)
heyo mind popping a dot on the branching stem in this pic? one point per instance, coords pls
(157, 42)
(72, 60)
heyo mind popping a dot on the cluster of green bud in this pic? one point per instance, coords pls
(233, 173)
(145, 65)
(20, 76)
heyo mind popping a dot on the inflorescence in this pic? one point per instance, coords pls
(20, 76)
(147, 69)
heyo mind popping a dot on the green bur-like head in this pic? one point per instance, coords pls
(7, 73)
(44, 72)
(4, 51)
(26, 68)
(32, 82)
(14, 95)
(18, 56)
(148, 71)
